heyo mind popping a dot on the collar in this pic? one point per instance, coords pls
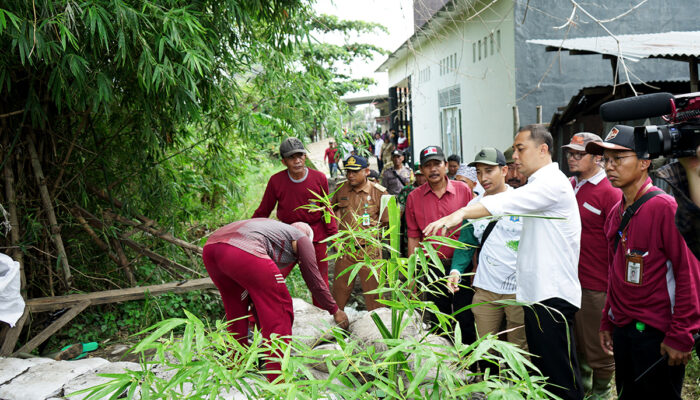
(362, 188)
(449, 189)
(595, 179)
(306, 174)
(543, 171)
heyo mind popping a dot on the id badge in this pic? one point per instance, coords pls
(635, 267)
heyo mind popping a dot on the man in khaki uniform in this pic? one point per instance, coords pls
(357, 203)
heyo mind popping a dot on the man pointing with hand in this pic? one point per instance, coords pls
(547, 263)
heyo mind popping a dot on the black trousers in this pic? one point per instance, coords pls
(635, 352)
(550, 337)
(449, 303)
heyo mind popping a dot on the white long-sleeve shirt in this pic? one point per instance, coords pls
(547, 265)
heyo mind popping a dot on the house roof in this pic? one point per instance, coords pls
(588, 100)
(448, 13)
(372, 98)
(681, 46)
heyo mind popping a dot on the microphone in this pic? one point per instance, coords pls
(640, 107)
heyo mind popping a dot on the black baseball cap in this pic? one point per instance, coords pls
(431, 153)
(620, 137)
(397, 153)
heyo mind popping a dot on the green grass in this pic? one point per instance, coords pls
(691, 385)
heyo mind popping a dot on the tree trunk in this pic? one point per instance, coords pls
(48, 207)
(16, 253)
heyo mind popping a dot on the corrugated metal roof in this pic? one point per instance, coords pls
(676, 45)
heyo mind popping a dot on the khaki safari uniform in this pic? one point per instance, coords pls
(358, 208)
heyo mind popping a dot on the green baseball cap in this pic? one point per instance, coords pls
(509, 155)
(489, 156)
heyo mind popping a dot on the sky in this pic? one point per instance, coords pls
(395, 15)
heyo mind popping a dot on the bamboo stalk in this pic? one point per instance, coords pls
(155, 232)
(95, 238)
(11, 198)
(80, 129)
(119, 258)
(155, 257)
(123, 261)
(48, 207)
(102, 195)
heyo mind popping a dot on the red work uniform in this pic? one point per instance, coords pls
(596, 198)
(423, 206)
(288, 196)
(653, 280)
(248, 261)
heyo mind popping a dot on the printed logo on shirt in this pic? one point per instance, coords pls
(244, 295)
(279, 278)
(514, 218)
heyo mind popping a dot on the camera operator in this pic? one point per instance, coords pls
(684, 178)
(652, 307)
(679, 138)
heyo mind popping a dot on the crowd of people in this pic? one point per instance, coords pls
(607, 283)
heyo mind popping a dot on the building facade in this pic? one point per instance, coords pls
(468, 66)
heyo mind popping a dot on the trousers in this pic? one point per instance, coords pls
(243, 278)
(635, 351)
(550, 337)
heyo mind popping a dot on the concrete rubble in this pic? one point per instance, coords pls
(44, 378)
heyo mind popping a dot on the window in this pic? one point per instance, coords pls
(474, 52)
(479, 49)
(491, 42)
(498, 40)
(486, 47)
(424, 75)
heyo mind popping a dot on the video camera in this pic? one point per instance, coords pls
(679, 138)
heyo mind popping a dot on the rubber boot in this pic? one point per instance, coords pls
(602, 389)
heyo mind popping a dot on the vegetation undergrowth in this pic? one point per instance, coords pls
(117, 322)
(206, 362)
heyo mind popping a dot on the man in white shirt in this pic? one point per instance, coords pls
(547, 265)
(378, 142)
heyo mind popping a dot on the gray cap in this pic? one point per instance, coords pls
(580, 140)
(291, 146)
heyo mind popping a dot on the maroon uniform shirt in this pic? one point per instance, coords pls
(423, 207)
(289, 195)
(596, 198)
(666, 296)
(270, 239)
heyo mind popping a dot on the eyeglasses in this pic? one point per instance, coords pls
(615, 160)
(575, 156)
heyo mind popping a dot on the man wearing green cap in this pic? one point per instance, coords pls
(357, 204)
(495, 276)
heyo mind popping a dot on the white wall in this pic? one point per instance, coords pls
(487, 85)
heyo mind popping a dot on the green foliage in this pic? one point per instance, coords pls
(119, 321)
(208, 362)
